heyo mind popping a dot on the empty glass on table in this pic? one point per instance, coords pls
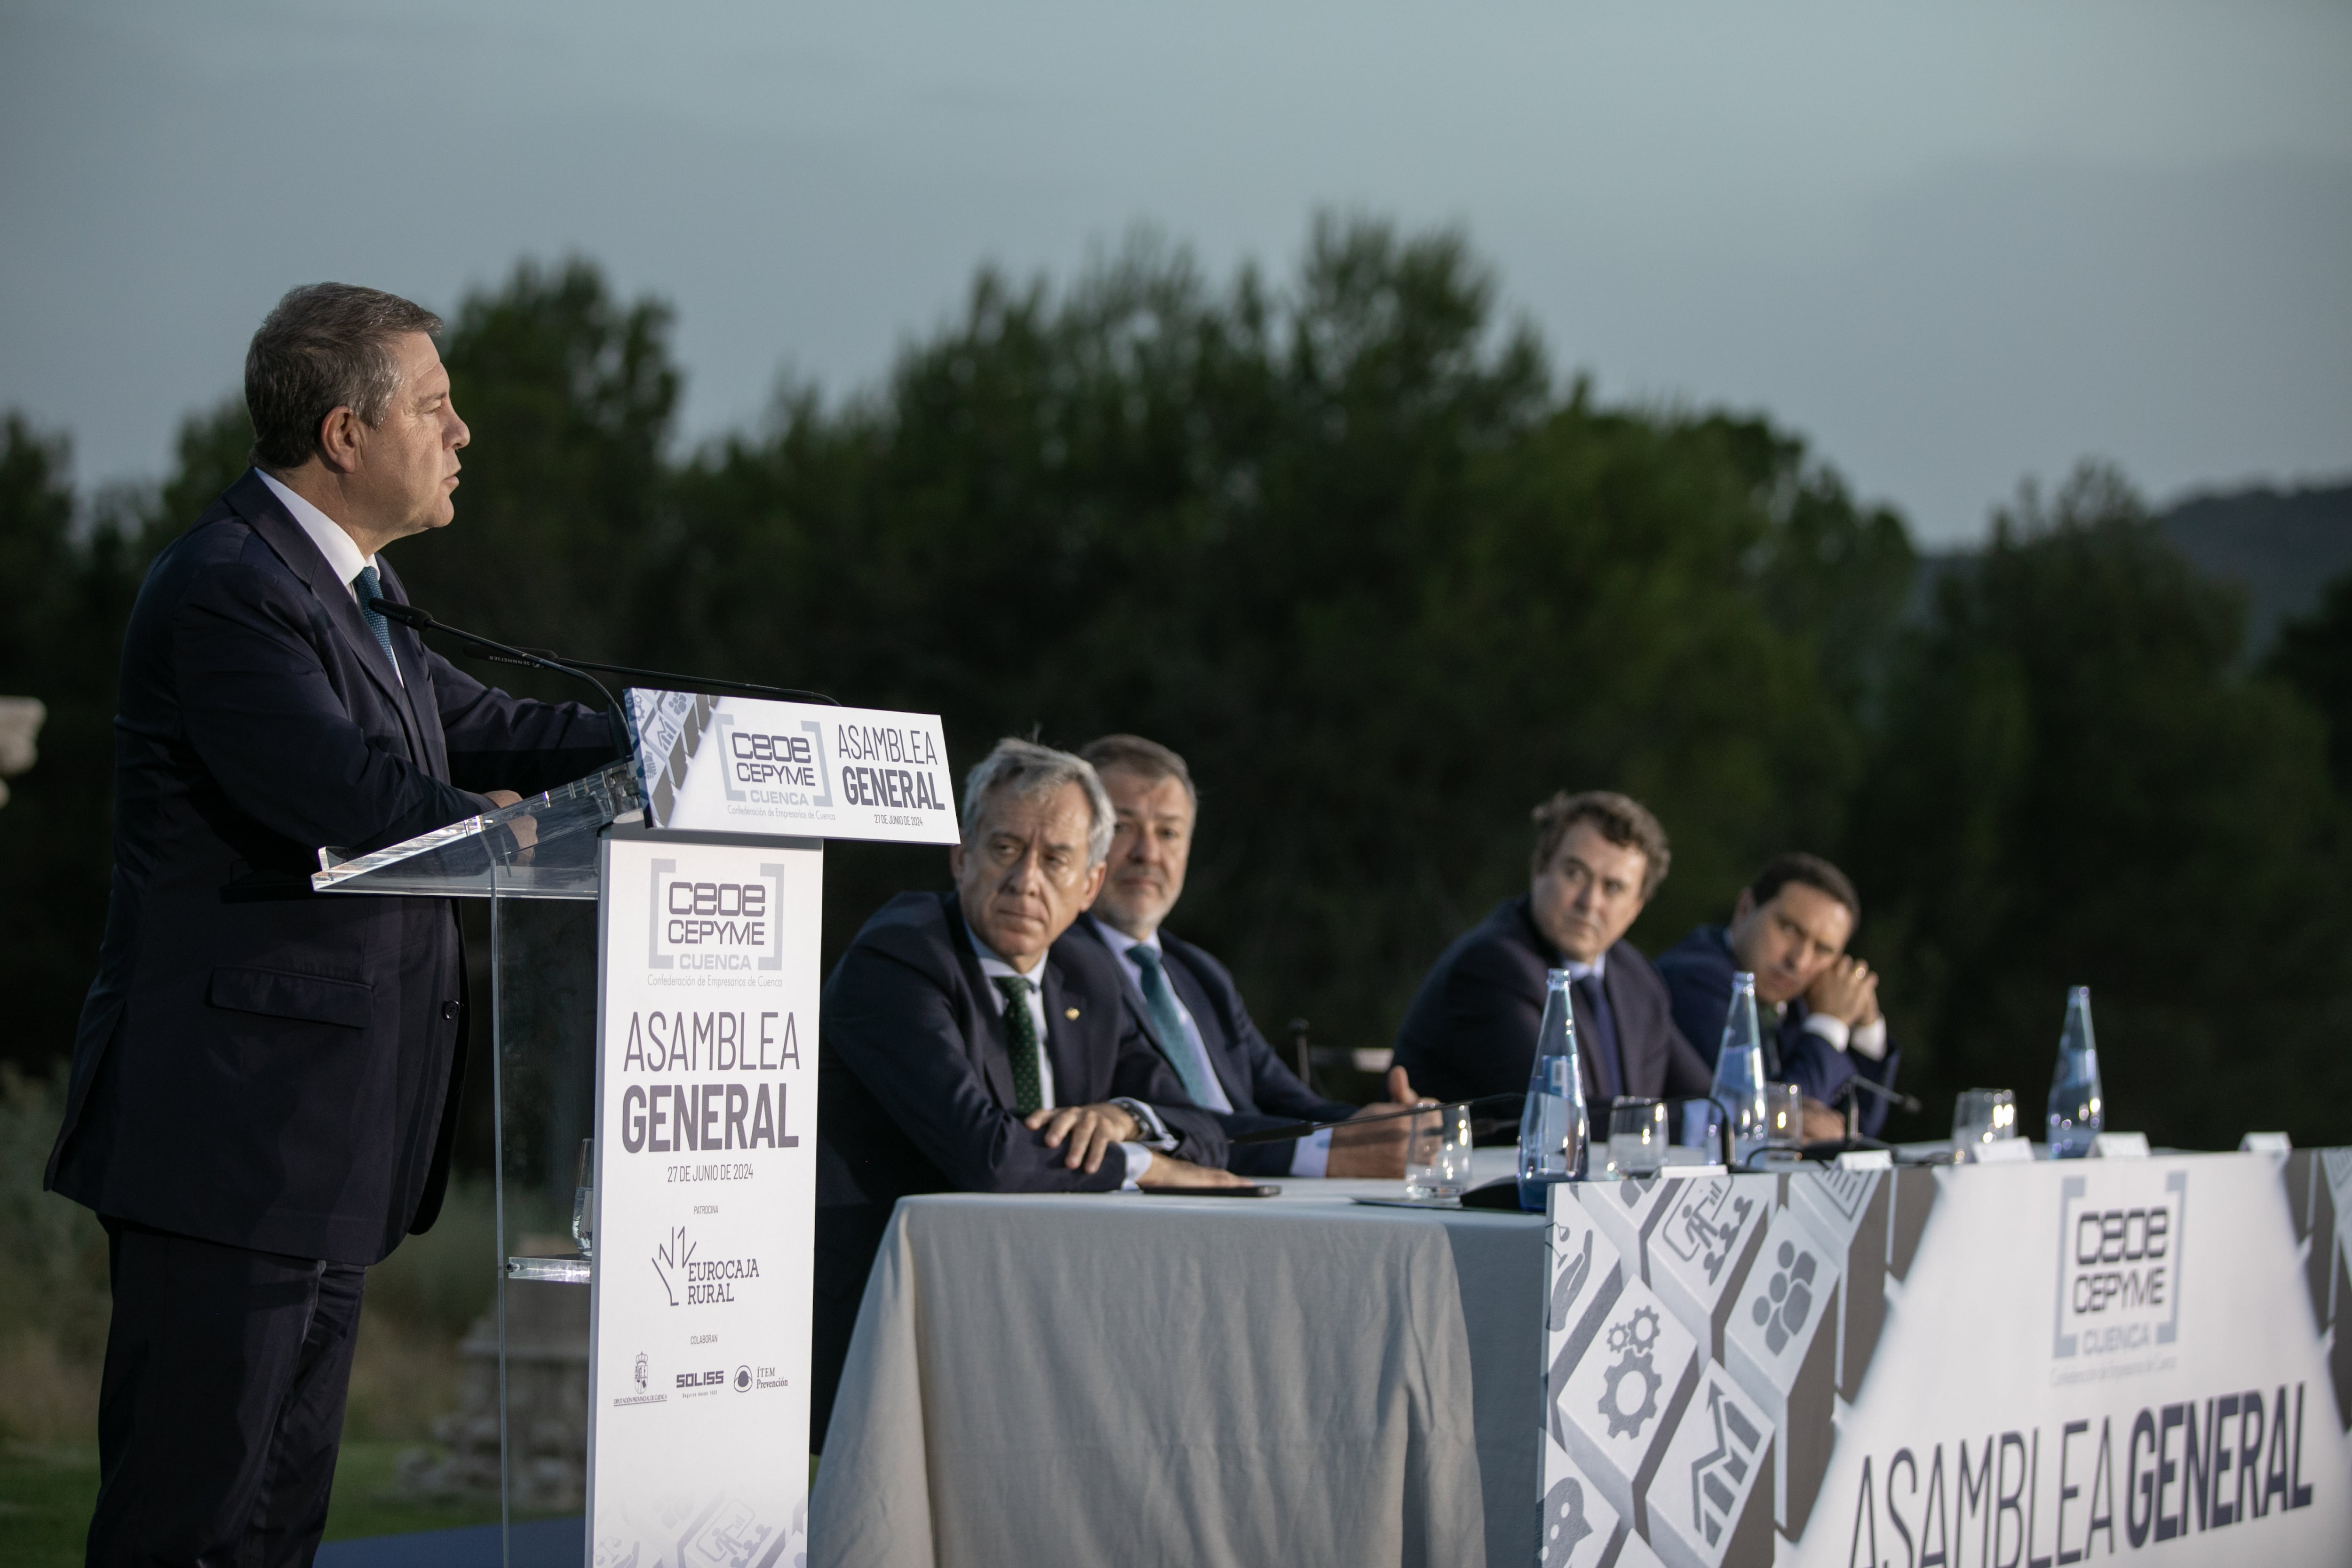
(1982, 1116)
(1639, 1136)
(1437, 1158)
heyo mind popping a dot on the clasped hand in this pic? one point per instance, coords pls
(1847, 991)
(1088, 1132)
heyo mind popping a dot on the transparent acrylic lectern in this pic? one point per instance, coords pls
(525, 1422)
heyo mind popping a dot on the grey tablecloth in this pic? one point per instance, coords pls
(1137, 1380)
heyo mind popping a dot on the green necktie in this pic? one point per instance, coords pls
(1160, 1002)
(1028, 1083)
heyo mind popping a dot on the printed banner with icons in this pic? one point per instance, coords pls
(740, 764)
(704, 1219)
(2019, 1366)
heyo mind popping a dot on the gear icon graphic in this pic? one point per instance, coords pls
(1625, 1422)
(1638, 1333)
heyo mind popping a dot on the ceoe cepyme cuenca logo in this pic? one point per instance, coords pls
(722, 921)
(2120, 1234)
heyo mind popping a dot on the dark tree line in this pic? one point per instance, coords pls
(1348, 545)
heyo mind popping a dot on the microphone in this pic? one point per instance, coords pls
(1897, 1097)
(422, 621)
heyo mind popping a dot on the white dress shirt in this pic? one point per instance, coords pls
(1311, 1156)
(343, 553)
(1138, 1155)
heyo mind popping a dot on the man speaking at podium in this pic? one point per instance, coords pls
(265, 1083)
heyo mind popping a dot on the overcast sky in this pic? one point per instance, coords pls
(1954, 245)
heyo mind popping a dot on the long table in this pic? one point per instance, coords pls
(1306, 1380)
(1134, 1379)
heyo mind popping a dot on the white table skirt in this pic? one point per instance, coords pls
(1128, 1379)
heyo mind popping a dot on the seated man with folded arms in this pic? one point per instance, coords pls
(1471, 1027)
(1789, 929)
(964, 1051)
(1187, 1001)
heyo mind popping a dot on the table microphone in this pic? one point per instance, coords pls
(1905, 1101)
(421, 621)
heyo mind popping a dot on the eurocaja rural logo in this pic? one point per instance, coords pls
(722, 923)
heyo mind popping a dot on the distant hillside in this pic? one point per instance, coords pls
(2282, 546)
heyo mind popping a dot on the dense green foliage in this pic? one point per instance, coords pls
(1349, 545)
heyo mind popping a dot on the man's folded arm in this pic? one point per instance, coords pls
(268, 725)
(1142, 1073)
(895, 1027)
(1275, 1087)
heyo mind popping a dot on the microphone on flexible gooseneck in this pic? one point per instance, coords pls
(421, 621)
(503, 653)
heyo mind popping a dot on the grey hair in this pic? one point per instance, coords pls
(1025, 769)
(326, 346)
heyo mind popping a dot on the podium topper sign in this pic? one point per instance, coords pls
(740, 764)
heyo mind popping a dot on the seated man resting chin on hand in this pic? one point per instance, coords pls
(1187, 1003)
(1823, 1026)
(966, 1051)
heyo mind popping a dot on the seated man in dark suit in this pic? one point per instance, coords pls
(965, 1051)
(1471, 1027)
(1188, 1002)
(1789, 929)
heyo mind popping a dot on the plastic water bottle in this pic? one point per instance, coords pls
(2077, 1109)
(1739, 1072)
(1554, 1132)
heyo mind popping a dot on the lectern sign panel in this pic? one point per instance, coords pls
(706, 1181)
(739, 764)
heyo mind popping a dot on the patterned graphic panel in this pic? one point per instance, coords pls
(1700, 1252)
(2071, 1362)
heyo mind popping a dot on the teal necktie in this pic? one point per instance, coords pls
(1167, 1024)
(1028, 1083)
(371, 586)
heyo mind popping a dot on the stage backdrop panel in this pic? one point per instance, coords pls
(2053, 1363)
(705, 1215)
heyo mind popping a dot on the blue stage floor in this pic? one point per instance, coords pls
(545, 1543)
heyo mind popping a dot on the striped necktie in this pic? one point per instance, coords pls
(371, 586)
(1028, 1083)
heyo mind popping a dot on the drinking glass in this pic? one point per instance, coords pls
(584, 1200)
(1639, 1133)
(1784, 1116)
(1437, 1159)
(1983, 1116)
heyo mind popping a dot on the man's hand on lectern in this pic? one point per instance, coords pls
(524, 828)
(1168, 1171)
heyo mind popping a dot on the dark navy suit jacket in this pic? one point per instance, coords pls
(915, 1092)
(1264, 1092)
(1698, 971)
(258, 1065)
(1471, 1030)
